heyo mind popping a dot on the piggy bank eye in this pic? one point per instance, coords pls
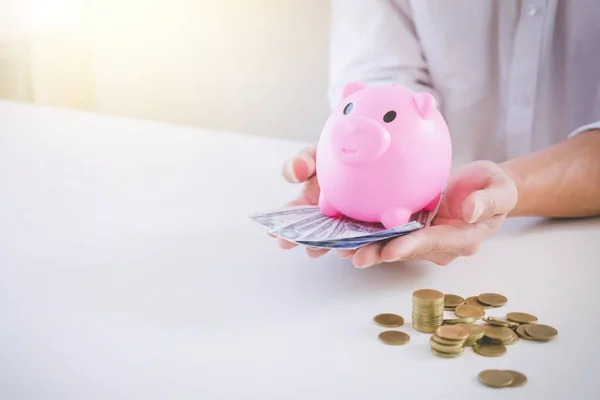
(348, 108)
(389, 116)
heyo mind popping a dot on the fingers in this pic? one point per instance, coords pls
(499, 198)
(300, 167)
(316, 253)
(431, 243)
(346, 254)
(312, 253)
(367, 256)
(284, 244)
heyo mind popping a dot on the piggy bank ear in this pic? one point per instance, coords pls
(351, 88)
(425, 103)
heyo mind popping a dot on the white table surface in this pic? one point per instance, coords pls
(129, 270)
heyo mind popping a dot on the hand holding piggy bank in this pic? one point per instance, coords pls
(384, 153)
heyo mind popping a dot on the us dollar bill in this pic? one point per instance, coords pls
(275, 220)
(305, 225)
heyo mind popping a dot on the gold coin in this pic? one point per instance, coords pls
(467, 311)
(472, 301)
(490, 350)
(394, 338)
(541, 332)
(446, 342)
(518, 378)
(428, 310)
(446, 355)
(453, 300)
(499, 322)
(508, 342)
(446, 348)
(452, 332)
(496, 378)
(388, 320)
(428, 295)
(521, 318)
(492, 299)
(454, 321)
(522, 332)
(475, 331)
(500, 333)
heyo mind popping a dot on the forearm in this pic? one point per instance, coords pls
(560, 181)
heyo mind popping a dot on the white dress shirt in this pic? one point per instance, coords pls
(510, 77)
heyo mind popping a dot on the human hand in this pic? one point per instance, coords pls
(301, 169)
(477, 199)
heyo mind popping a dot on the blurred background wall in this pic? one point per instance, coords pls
(251, 66)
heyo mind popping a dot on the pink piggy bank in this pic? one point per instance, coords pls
(384, 153)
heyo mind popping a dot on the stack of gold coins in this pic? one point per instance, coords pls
(448, 341)
(500, 335)
(428, 310)
(475, 333)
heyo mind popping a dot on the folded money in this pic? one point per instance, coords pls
(305, 225)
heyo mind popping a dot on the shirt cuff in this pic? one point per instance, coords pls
(593, 125)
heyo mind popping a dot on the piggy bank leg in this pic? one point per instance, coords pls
(434, 203)
(395, 217)
(326, 208)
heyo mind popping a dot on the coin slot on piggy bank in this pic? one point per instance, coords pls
(384, 154)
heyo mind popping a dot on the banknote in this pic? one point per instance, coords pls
(305, 225)
(275, 220)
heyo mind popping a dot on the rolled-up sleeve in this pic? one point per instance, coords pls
(584, 128)
(375, 42)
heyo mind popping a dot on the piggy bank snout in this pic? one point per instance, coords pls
(358, 139)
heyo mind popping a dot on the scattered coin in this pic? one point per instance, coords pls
(522, 332)
(512, 340)
(499, 322)
(541, 332)
(388, 320)
(489, 349)
(447, 355)
(452, 332)
(394, 338)
(467, 311)
(518, 378)
(455, 347)
(446, 342)
(472, 301)
(475, 333)
(428, 310)
(499, 333)
(453, 321)
(521, 318)
(496, 378)
(492, 299)
(451, 301)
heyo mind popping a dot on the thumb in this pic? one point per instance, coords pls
(497, 199)
(300, 167)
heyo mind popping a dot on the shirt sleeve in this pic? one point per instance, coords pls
(375, 42)
(583, 128)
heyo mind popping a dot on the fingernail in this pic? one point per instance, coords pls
(288, 170)
(477, 211)
(362, 266)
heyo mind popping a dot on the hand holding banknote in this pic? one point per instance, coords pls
(301, 169)
(476, 201)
